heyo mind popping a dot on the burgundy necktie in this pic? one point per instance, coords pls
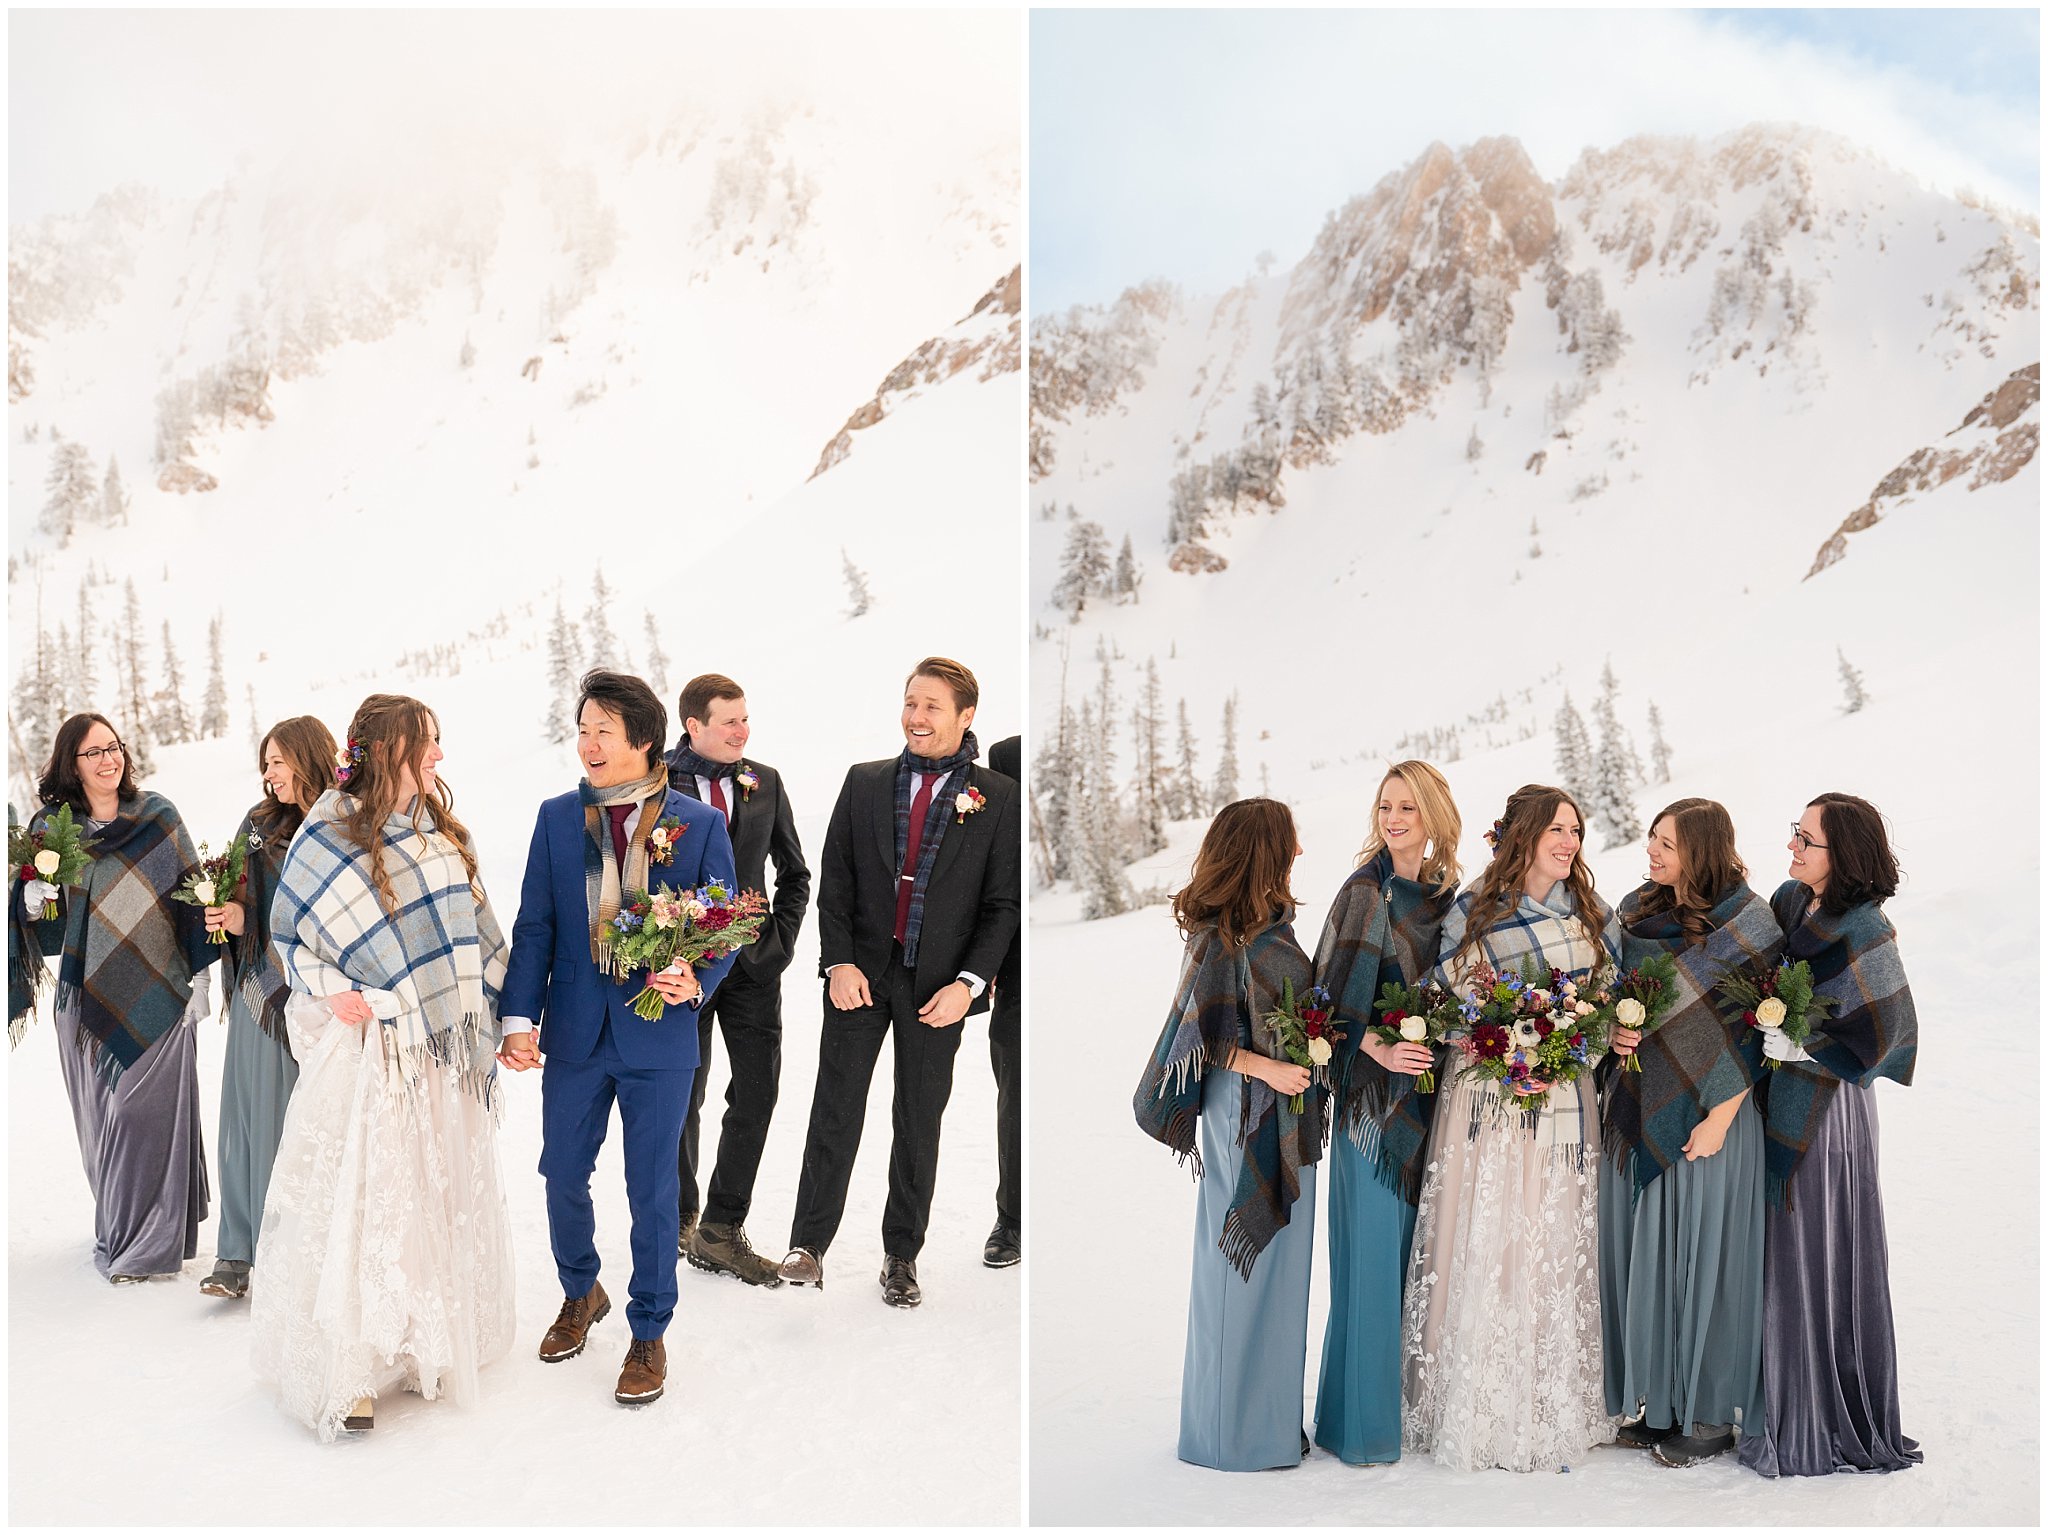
(915, 841)
(618, 813)
(718, 800)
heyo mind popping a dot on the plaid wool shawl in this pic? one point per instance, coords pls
(1873, 1032)
(1381, 928)
(127, 953)
(1221, 1002)
(937, 814)
(256, 983)
(1549, 932)
(441, 956)
(604, 883)
(1697, 1057)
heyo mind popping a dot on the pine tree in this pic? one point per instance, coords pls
(1128, 576)
(1185, 786)
(173, 722)
(657, 658)
(213, 710)
(255, 720)
(1105, 887)
(1853, 695)
(1474, 448)
(597, 622)
(1574, 753)
(1224, 789)
(858, 597)
(1085, 570)
(1660, 749)
(1613, 798)
(79, 677)
(113, 496)
(1608, 719)
(73, 495)
(565, 665)
(133, 711)
(1151, 778)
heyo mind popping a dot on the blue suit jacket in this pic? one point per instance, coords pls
(551, 977)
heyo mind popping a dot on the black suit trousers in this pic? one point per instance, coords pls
(749, 1013)
(1006, 1055)
(847, 1052)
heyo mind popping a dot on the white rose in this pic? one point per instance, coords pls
(1414, 1030)
(1319, 1051)
(47, 863)
(1770, 1013)
(204, 890)
(962, 803)
(1581, 1009)
(1628, 1012)
(665, 918)
(659, 836)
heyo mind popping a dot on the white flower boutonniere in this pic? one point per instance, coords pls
(748, 780)
(967, 803)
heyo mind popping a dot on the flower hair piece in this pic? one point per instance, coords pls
(1495, 832)
(347, 760)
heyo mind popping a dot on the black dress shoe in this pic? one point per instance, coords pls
(1690, 1449)
(899, 1282)
(1640, 1436)
(1003, 1249)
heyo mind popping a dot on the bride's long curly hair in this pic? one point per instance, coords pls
(1530, 812)
(395, 733)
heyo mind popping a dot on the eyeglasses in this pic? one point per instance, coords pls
(98, 752)
(1806, 843)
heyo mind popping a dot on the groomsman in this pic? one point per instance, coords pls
(1005, 1054)
(917, 905)
(710, 764)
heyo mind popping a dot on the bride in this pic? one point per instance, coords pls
(1500, 1324)
(385, 1258)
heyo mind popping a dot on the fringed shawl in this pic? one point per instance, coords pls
(442, 956)
(127, 952)
(256, 983)
(1221, 1002)
(1381, 928)
(1697, 1057)
(1873, 1031)
(605, 883)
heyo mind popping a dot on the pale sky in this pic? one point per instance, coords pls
(1180, 144)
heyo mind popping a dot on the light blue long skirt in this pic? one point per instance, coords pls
(256, 1084)
(1358, 1400)
(1241, 1384)
(1682, 1286)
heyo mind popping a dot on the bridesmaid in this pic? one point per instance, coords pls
(296, 760)
(1682, 1185)
(1217, 1062)
(1500, 1326)
(131, 990)
(1831, 1368)
(1382, 927)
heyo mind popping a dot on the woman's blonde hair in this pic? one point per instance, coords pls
(1441, 823)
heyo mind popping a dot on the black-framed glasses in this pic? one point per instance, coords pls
(1806, 843)
(93, 756)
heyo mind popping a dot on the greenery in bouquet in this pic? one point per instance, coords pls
(54, 854)
(667, 928)
(1778, 999)
(1534, 1031)
(1304, 1026)
(1416, 1015)
(215, 881)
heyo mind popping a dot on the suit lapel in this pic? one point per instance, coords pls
(881, 802)
(950, 838)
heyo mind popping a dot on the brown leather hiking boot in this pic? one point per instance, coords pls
(726, 1250)
(642, 1375)
(579, 1314)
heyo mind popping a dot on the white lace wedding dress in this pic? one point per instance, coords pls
(385, 1257)
(1500, 1317)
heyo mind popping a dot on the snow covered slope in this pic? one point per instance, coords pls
(1517, 432)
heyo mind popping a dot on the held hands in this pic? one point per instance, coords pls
(948, 1005)
(678, 983)
(848, 988)
(229, 917)
(519, 1052)
(1625, 1041)
(1405, 1057)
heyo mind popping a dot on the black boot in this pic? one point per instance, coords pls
(1703, 1443)
(1637, 1434)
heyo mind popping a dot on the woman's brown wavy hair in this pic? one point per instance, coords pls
(1240, 875)
(1530, 811)
(395, 733)
(1707, 864)
(307, 747)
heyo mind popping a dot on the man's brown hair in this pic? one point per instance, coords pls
(966, 691)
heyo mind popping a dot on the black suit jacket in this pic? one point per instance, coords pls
(1006, 757)
(763, 827)
(970, 904)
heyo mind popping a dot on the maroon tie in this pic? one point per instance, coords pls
(718, 799)
(618, 813)
(921, 804)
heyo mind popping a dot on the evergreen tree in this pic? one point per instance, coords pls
(113, 496)
(1084, 568)
(565, 666)
(1224, 789)
(1185, 786)
(1105, 887)
(1128, 577)
(213, 710)
(132, 712)
(1853, 695)
(657, 659)
(1474, 448)
(1052, 797)
(173, 721)
(72, 494)
(79, 677)
(1660, 749)
(1574, 753)
(255, 719)
(1606, 717)
(858, 597)
(597, 623)
(1613, 805)
(1152, 786)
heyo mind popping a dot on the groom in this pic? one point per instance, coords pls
(589, 847)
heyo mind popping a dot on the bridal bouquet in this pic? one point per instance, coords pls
(1541, 1028)
(1645, 995)
(1778, 999)
(55, 855)
(1305, 1033)
(665, 929)
(1416, 1015)
(215, 881)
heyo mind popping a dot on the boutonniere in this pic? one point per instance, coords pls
(966, 803)
(661, 842)
(748, 780)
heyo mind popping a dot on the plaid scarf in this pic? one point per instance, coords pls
(1697, 1057)
(1381, 928)
(954, 772)
(604, 882)
(686, 761)
(1548, 931)
(128, 954)
(1873, 1032)
(442, 956)
(1220, 995)
(253, 975)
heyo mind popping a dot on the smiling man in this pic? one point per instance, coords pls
(917, 904)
